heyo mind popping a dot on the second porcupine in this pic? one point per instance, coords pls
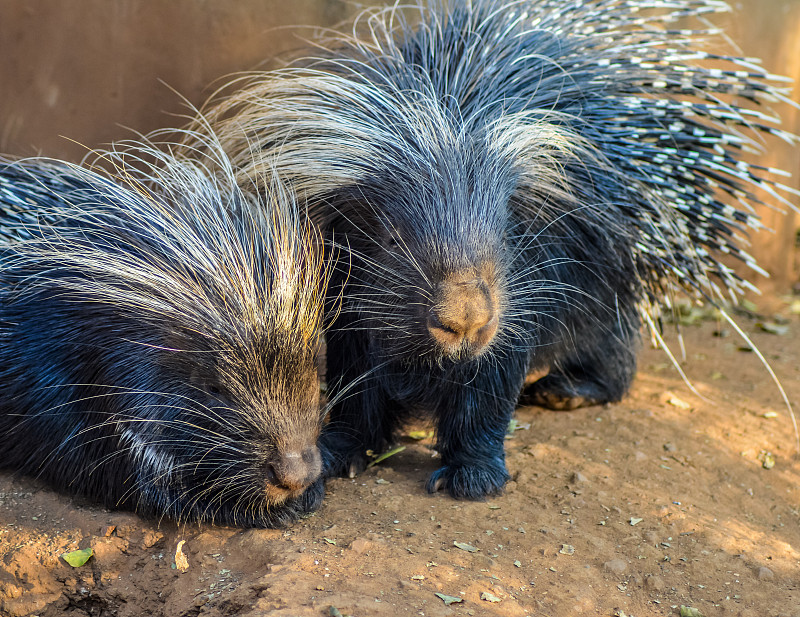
(158, 337)
(517, 182)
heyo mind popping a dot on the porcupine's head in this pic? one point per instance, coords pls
(194, 317)
(427, 268)
(417, 195)
(508, 166)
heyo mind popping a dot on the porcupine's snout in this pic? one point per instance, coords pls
(464, 315)
(294, 469)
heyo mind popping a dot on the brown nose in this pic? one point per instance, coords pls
(464, 315)
(295, 469)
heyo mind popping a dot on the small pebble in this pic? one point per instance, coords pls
(578, 478)
(360, 546)
(489, 597)
(765, 574)
(617, 566)
(653, 582)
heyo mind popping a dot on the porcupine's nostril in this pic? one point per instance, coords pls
(294, 470)
(464, 311)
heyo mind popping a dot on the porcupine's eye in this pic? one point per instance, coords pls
(217, 391)
(205, 383)
(213, 389)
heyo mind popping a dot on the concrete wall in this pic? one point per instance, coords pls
(82, 70)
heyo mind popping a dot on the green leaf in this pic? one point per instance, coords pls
(386, 455)
(77, 558)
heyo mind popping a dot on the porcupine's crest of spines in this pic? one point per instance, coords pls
(224, 293)
(215, 261)
(602, 111)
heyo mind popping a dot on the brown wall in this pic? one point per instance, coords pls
(770, 29)
(83, 69)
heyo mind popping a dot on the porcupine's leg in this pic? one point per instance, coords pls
(598, 373)
(362, 419)
(472, 421)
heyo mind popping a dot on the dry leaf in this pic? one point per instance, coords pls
(466, 547)
(181, 563)
(448, 600)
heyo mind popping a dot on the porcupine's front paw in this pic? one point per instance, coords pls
(475, 482)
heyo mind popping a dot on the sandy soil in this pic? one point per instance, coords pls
(633, 509)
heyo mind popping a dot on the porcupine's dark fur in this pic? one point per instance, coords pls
(158, 338)
(517, 181)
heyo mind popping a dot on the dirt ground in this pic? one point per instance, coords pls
(633, 509)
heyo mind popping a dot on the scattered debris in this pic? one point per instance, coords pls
(489, 597)
(772, 327)
(767, 459)
(514, 425)
(679, 403)
(420, 435)
(448, 600)
(466, 547)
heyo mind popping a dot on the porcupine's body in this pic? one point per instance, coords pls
(516, 181)
(158, 338)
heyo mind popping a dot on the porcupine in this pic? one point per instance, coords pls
(518, 183)
(159, 337)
